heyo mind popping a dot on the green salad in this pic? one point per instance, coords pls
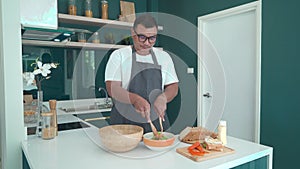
(160, 136)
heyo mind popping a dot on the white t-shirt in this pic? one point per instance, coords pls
(118, 67)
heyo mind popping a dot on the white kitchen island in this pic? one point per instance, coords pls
(78, 149)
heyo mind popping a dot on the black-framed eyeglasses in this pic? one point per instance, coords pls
(142, 38)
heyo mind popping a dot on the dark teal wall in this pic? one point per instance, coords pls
(280, 102)
(190, 11)
(280, 111)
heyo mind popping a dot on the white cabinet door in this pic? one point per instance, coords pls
(232, 38)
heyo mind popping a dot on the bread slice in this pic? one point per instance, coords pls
(193, 134)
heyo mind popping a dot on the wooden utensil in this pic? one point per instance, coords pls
(52, 105)
(161, 126)
(153, 129)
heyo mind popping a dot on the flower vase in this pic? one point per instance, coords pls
(39, 112)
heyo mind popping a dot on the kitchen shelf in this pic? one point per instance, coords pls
(82, 20)
(71, 44)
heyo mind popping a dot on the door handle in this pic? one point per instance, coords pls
(207, 95)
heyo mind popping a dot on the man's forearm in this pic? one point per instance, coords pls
(171, 91)
(116, 91)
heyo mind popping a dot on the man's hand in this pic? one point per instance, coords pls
(142, 106)
(115, 90)
(160, 105)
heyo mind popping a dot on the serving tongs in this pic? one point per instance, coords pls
(154, 130)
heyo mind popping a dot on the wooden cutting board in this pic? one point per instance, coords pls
(127, 11)
(212, 154)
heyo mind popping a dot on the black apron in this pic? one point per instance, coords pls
(146, 81)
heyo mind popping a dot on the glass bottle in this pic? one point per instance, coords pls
(72, 7)
(39, 110)
(104, 8)
(222, 130)
(88, 8)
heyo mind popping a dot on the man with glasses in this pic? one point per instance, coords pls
(141, 79)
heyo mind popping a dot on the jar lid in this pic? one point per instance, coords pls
(104, 1)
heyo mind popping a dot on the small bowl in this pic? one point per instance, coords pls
(158, 145)
(121, 138)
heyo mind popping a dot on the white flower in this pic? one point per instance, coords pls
(43, 69)
(28, 81)
(28, 78)
(32, 80)
(53, 65)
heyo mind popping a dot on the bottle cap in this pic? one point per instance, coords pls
(222, 123)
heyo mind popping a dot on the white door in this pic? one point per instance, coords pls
(229, 70)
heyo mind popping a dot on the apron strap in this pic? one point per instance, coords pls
(153, 57)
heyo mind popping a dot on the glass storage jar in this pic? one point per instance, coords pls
(48, 130)
(72, 7)
(104, 8)
(88, 8)
(30, 113)
(81, 37)
(96, 38)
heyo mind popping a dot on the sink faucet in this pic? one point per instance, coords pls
(106, 95)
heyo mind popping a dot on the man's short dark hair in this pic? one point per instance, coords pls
(146, 20)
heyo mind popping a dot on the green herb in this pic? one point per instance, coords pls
(203, 145)
(159, 137)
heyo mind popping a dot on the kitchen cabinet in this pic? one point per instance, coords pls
(42, 17)
(260, 163)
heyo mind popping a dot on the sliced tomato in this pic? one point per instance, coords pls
(195, 152)
(193, 146)
(200, 148)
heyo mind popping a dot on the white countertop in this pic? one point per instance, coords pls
(79, 148)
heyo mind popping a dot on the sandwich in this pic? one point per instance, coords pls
(194, 134)
(212, 144)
